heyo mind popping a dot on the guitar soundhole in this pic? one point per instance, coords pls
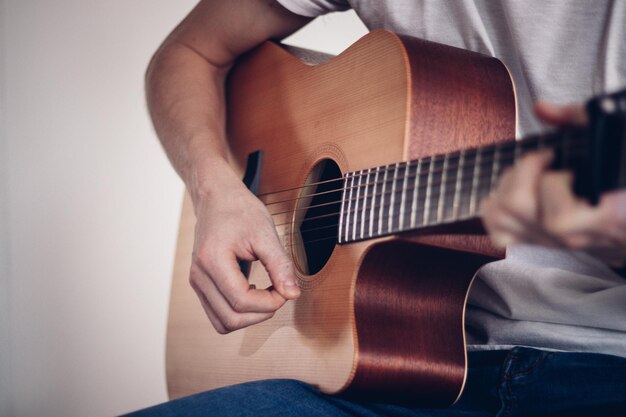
(316, 223)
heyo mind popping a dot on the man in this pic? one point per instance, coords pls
(553, 299)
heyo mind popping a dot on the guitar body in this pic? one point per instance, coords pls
(382, 317)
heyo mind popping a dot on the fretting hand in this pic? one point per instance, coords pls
(534, 205)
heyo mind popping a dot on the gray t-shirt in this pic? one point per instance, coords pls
(559, 51)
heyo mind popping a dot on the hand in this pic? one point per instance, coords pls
(234, 225)
(534, 205)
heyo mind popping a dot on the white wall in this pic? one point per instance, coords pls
(89, 204)
(5, 354)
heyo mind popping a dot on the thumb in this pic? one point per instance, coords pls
(278, 265)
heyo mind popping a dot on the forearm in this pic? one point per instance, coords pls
(185, 94)
(185, 83)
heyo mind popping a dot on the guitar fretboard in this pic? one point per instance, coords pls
(439, 189)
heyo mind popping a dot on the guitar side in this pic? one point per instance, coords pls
(383, 100)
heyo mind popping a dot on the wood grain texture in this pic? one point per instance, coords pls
(409, 309)
(361, 110)
(458, 99)
(289, 110)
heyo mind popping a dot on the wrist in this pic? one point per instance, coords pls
(203, 166)
(205, 177)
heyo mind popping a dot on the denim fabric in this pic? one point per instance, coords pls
(520, 382)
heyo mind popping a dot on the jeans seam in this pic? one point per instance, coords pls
(529, 369)
(508, 400)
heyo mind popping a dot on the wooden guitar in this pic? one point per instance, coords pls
(373, 167)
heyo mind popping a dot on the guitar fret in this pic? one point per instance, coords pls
(438, 189)
(442, 194)
(393, 198)
(382, 202)
(416, 187)
(347, 231)
(373, 202)
(457, 186)
(450, 186)
(428, 191)
(356, 206)
(342, 211)
(435, 192)
(496, 167)
(403, 197)
(484, 181)
(364, 209)
(475, 180)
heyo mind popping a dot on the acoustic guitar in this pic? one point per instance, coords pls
(373, 165)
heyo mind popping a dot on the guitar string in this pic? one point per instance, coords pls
(448, 169)
(502, 147)
(417, 213)
(540, 142)
(336, 236)
(385, 168)
(385, 220)
(407, 165)
(445, 195)
(508, 146)
(373, 196)
(423, 174)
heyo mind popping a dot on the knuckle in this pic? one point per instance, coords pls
(194, 277)
(576, 242)
(489, 221)
(557, 229)
(521, 205)
(502, 240)
(239, 305)
(231, 323)
(210, 259)
(216, 324)
(221, 329)
(499, 222)
(203, 259)
(202, 248)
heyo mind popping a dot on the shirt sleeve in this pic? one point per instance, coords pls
(313, 8)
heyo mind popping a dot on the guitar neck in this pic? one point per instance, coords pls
(441, 189)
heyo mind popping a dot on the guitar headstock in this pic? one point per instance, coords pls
(607, 145)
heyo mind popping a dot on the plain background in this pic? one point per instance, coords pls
(89, 205)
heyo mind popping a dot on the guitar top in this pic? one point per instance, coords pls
(373, 166)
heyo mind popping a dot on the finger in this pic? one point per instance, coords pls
(227, 278)
(517, 192)
(599, 230)
(570, 114)
(506, 229)
(279, 266)
(584, 226)
(558, 205)
(510, 212)
(217, 324)
(220, 313)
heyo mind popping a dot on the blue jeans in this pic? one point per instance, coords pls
(520, 382)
